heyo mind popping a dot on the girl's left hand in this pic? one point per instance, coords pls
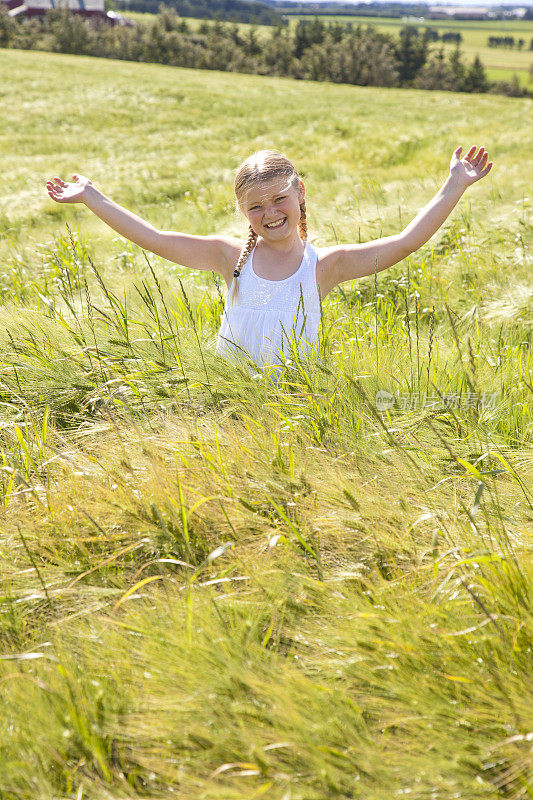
(472, 167)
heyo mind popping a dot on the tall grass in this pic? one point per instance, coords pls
(128, 485)
(219, 585)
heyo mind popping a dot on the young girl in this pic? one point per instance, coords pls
(276, 279)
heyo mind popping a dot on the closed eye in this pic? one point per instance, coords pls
(281, 198)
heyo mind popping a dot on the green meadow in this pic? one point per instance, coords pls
(219, 586)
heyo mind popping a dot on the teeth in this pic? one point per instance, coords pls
(275, 224)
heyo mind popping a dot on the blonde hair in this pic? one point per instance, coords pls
(262, 167)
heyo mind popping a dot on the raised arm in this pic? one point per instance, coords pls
(346, 262)
(217, 253)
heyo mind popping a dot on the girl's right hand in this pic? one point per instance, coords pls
(63, 192)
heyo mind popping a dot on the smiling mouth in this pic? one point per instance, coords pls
(274, 225)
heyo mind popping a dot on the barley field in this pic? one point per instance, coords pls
(219, 586)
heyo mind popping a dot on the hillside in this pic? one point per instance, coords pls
(218, 587)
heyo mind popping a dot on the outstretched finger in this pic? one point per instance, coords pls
(478, 157)
(60, 181)
(487, 169)
(471, 152)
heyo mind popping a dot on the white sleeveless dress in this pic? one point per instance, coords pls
(270, 317)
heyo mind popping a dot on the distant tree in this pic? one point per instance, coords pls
(308, 33)
(504, 41)
(436, 73)
(70, 32)
(431, 34)
(315, 62)
(317, 30)
(412, 52)
(458, 69)
(168, 18)
(220, 51)
(511, 88)
(7, 27)
(127, 43)
(164, 43)
(251, 45)
(452, 36)
(236, 36)
(30, 34)
(476, 77)
(363, 57)
(278, 52)
(515, 88)
(371, 59)
(336, 30)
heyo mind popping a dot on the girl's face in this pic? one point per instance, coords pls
(273, 208)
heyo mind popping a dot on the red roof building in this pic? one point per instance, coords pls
(38, 8)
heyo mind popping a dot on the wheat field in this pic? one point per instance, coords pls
(215, 585)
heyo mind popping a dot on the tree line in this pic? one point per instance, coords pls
(509, 42)
(336, 8)
(312, 50)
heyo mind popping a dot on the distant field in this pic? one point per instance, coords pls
(500, 63)
(503, 74)
(193, 22)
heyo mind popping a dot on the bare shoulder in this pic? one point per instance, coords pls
(230, 249)
(326, 268)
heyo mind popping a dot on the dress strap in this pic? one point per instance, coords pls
(309, 268)
(248, 261)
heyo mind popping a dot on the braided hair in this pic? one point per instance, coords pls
(262, 167)
(245, 252)
(302, 224)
